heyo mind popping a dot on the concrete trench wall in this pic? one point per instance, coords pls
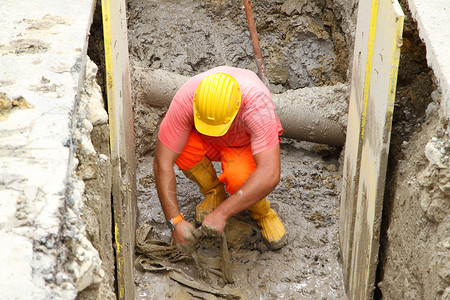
(50, 221)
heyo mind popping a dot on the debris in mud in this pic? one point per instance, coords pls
(158, 256)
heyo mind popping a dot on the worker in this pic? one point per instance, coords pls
(225, 114)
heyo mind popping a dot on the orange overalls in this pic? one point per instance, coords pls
(237, 162)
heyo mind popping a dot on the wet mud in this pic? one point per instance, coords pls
(307, 201)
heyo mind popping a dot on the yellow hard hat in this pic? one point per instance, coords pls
(216, 103)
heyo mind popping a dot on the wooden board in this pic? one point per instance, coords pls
(362, 59)
(367, 148)
(123, 163)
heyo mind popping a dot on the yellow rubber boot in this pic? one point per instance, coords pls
(204, 175)
(272, 229)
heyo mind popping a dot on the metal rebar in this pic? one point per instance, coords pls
(256, 49)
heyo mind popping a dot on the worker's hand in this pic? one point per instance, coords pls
(182, 234)
(214, 221)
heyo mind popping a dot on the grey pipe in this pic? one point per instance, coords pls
(317, 114)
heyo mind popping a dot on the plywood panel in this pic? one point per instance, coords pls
(366, 156)
(362, 59)
(375, 149)
(120, 112)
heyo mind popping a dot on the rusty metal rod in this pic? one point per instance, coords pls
(256, 49)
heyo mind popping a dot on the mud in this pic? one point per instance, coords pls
(307, 201)
(297, 39)
(301, 42)
(303, 46)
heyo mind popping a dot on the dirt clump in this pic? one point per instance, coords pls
(7, 104)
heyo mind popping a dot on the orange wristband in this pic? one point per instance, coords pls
(177, 219)
(172, 222)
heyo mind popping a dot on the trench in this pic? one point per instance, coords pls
(307, 198)
(313, 54)
(60, 234)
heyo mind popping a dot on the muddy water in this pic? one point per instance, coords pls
(188, 37)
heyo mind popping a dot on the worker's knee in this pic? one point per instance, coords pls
(236, 172)
(234, 181)
(193, 152)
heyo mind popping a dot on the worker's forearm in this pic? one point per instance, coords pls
(259, 184)
(166, 186)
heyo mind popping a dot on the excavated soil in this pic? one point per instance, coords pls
(414, 248)
(302, 46)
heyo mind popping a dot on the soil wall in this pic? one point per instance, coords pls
(414, 252)
(93, 177)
